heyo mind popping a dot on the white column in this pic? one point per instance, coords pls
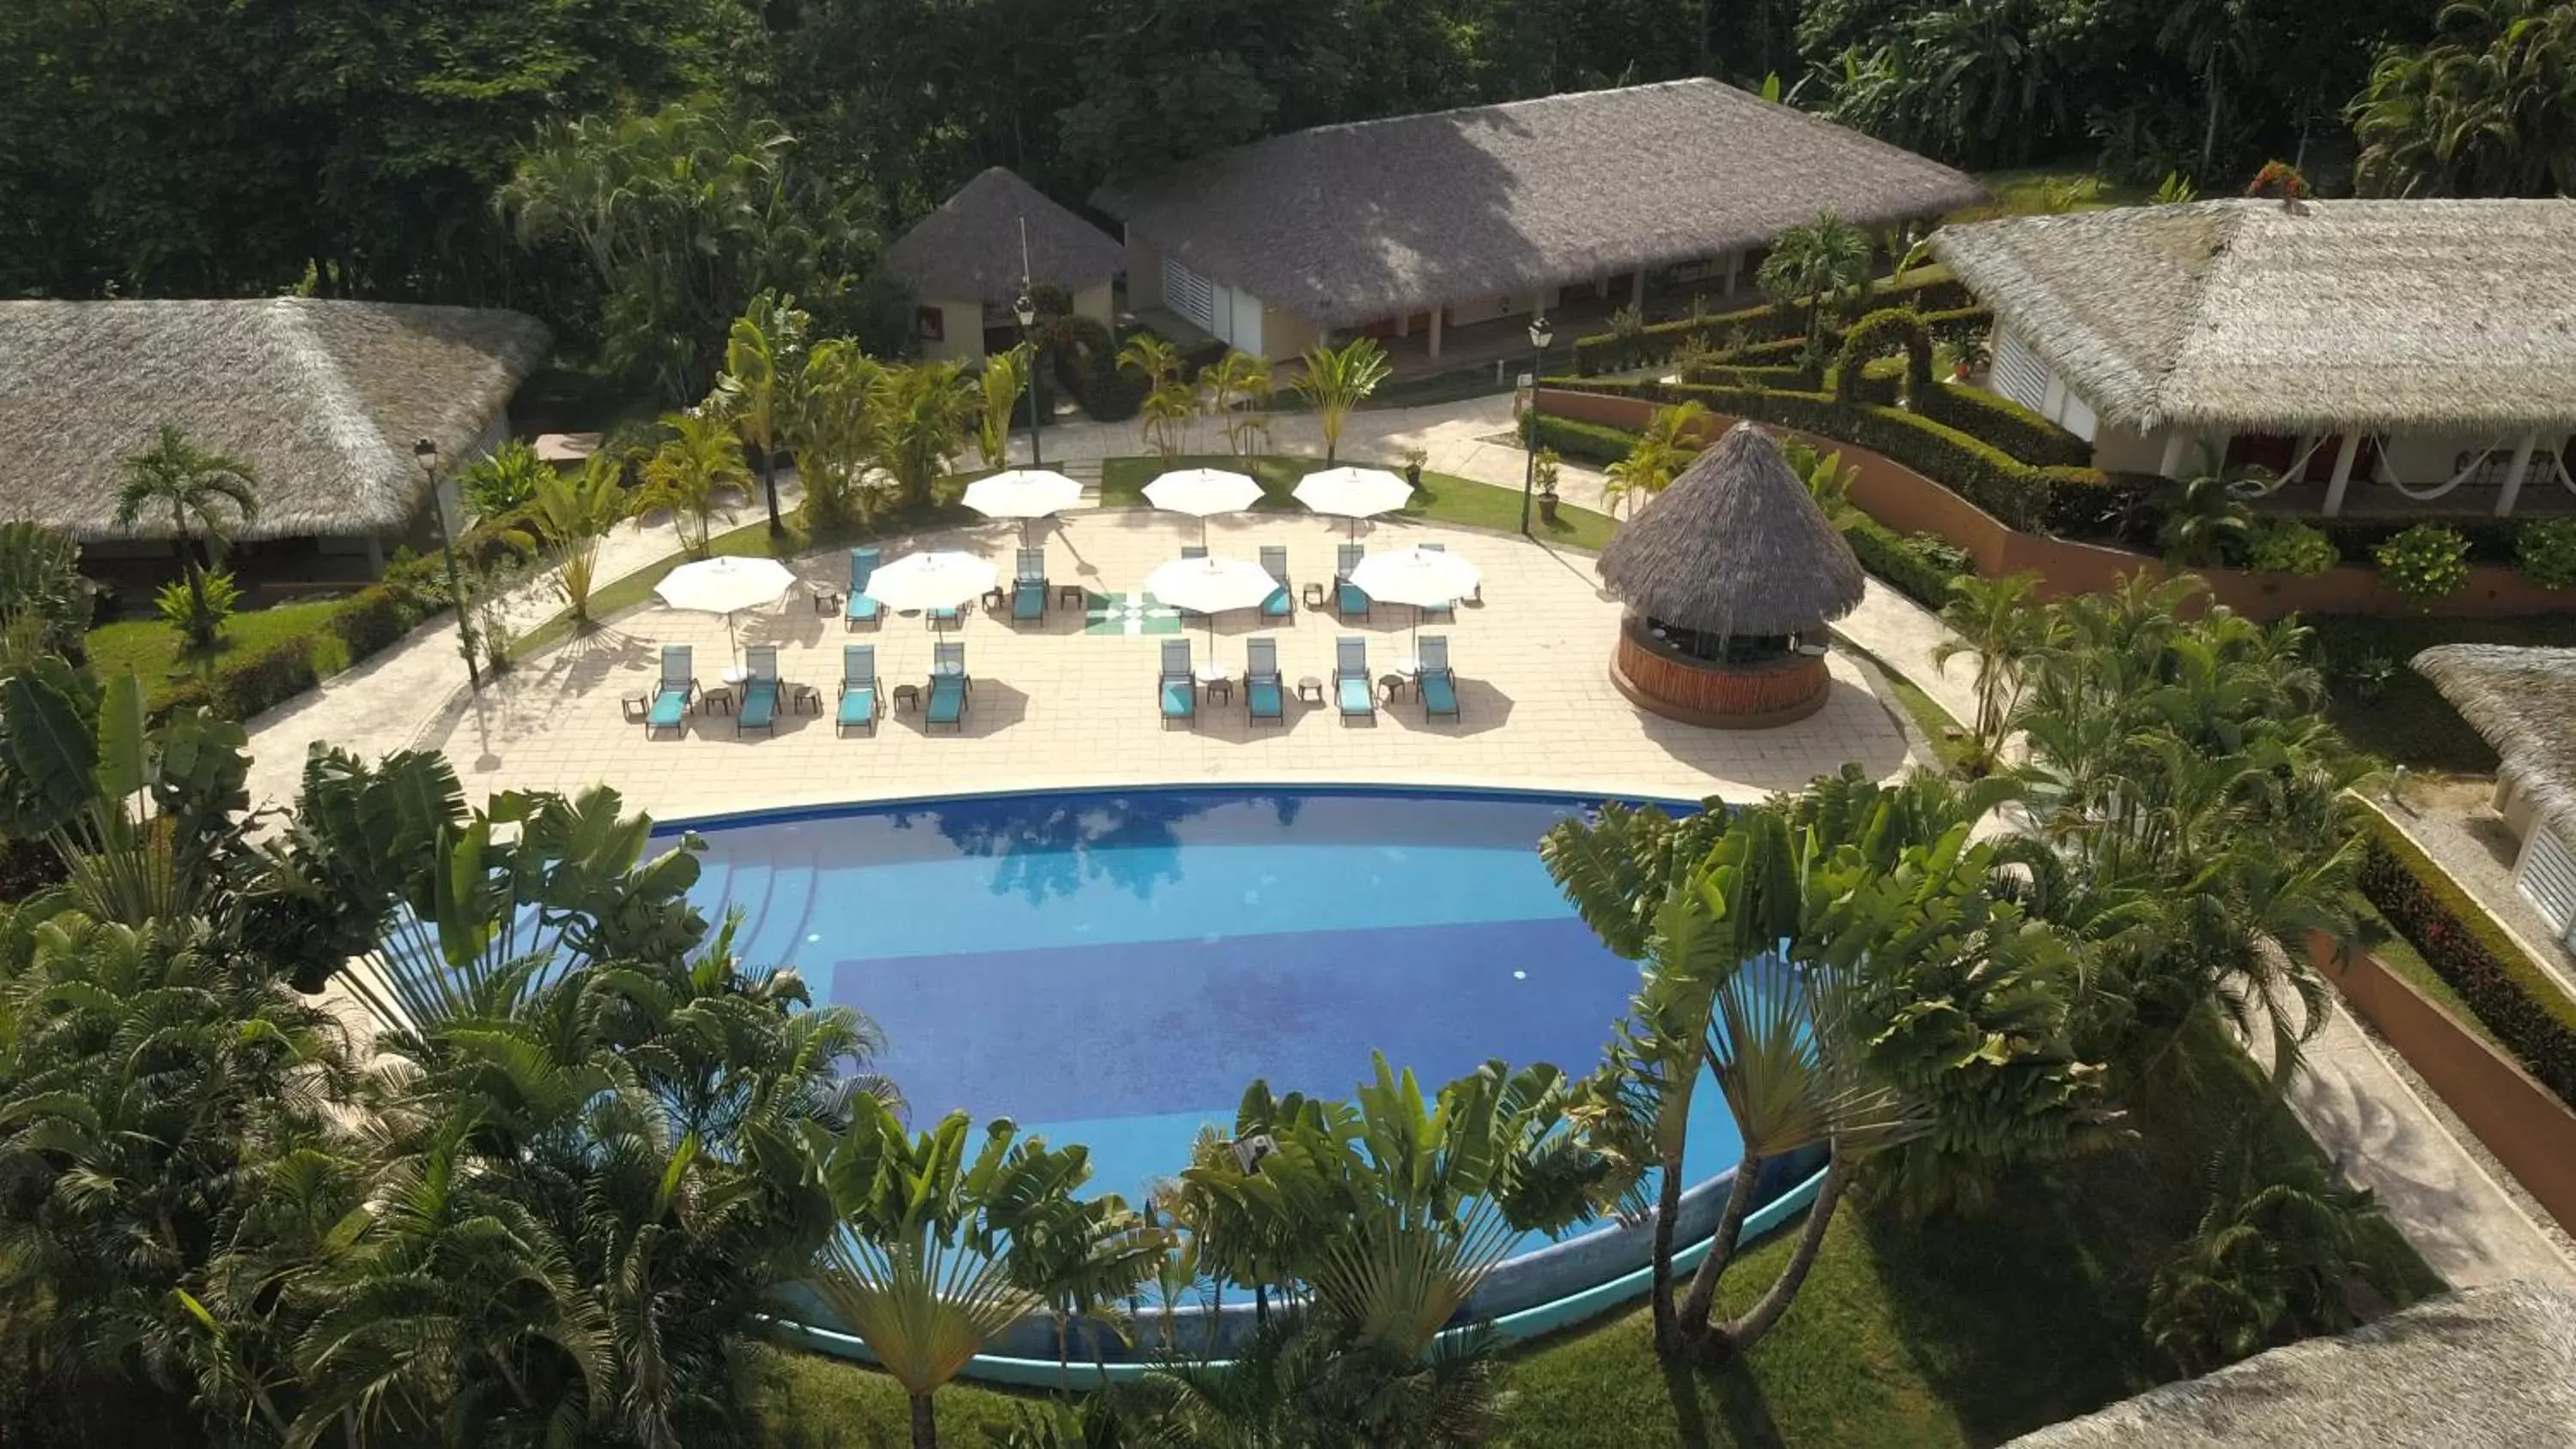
(2177, 443)
(1734, 267)
(2344, 455)
(2513, 476)
(1436, 313)
(1637, 288)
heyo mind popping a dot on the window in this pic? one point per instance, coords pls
(2019, 374)
(930, 324)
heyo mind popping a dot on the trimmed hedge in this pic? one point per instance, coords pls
(2520, 1003)
(1929, 291)
(2005, 423)
(375, 619)
(1585, 442)
(245, 686)
(1904, 564)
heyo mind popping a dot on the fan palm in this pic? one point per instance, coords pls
(764, 359)
(200, 492)
(1336, 380)
(688, 473)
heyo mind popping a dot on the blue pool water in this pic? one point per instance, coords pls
(1112, 968)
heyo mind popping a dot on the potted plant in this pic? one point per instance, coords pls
(1414, 458)
(1546, 471)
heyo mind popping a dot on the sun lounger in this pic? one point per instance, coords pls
(861, 609)
(1282, 603)
(1352, 689)
(1347, 598)
(949, 684)
(1437, 686)
(860, 691)
(1029, 589)
(1176, 691)
(760, 689)
(943, 619)
(673, 696)
(1262, 696)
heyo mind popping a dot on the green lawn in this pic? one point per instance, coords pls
(150, 647)
(1963, 1329)
(2409, 723)
(1442, 498)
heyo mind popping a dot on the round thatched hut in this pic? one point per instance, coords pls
(1730, 576)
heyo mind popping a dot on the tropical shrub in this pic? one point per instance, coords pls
(1338, 379)
(2206, 522)
(2546, 552)
(245, 685)
(40, 579)
(574, 512)
(2287, 546)
(2517, 1000)
(197, 607)
(372, 620)
(697, 464)
(999, 388)
(1086, 362)
(503, 481)
(2427, 563)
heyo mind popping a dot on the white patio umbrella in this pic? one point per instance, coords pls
(1202, 492)
(1426, 578)
(725, 586)
(1210, 586)
(946, 579)
(1023, 493)
(1354, 493)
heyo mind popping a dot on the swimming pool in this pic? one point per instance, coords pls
(1113, 967)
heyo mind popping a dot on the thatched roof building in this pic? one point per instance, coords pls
(969, 248)
(2524, 702)
(323, 400)
(2248, 316)
(2483, 1368)
(1345, 225)
(1736, 547)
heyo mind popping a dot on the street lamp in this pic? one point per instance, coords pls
(1540, 336)
(1026, 309)
(427, 452)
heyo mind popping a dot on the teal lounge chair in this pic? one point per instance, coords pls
(861, 609)
(1029, 590)
(1282, 603)
(1261, 693)
(1352, 689)
(673, 696)
(1347, 598)
(1177, 690)
(1450, 608)
(859, 689)
(1194, 550)
(949, 684)
(760, 689)
(941, 620)
(1437, 686)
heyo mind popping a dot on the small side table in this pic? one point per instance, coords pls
(907, 697)
(1315, 596)
(1070, 596)
(1310, 690)
(720, 697)
(638, 708)
(1221, 687)
(1392, 686)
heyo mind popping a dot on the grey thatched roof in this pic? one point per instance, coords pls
(323, 400)
(2483, 1368)
(2240, 315)
(1351, 223)
(970, 247)
(1735, 546)
(2524, 702)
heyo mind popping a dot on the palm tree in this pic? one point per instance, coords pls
(2207, 520)
(924, 1272)
(1150, 358)
(921, 417)
(1663, 449)
(764, 360)
(1823, 262)
(2000, 622)
(576, 512)
(1168, 410)
(999, 389)
(195, 488)
(836, 434)
(1237, 387)
(1337, 380)
(701, 459)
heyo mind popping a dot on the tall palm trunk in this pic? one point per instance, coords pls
(925, 1429)
(1739, 1336)
(1721, 1249)
(769, 487)
(196, 577)
(1668, 1208)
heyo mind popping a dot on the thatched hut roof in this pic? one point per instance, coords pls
(2483, 1368)
(969, 248)
(1736, 546)
(1351, 223)
(322, 399)
(2523, 701)
(2244, 316)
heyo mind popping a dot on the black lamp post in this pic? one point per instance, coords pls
(1540, 336)
(1026, 309)
(427, 452)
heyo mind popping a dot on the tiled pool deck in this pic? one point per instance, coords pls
(1063, 703)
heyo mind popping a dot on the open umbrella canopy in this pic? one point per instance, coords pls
(942, 580)
(1426, 578)
(1200, 492)
(1354, 492)
(1211, 585)
(724, 585)
(1023, 493)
